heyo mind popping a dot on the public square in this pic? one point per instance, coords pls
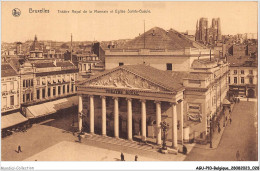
(52, 140)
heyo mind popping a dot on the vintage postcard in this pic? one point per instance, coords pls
(129, 81)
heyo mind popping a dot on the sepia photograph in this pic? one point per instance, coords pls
(134, 81)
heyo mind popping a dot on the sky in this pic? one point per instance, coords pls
(236, 17)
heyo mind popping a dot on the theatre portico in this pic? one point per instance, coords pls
(132, 100)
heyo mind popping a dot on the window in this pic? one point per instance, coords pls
(43, 93)
(169, 67)
(32, 82)
(11, 85)
(250, 71)
(235, 71)
(24, 83)
(235, 80)
(23, 97)
(38, 94)
(228, 80)
(54, 91)
(242, 72)
(49, 92)
(72, 86)
(31, 96)
(242, 80)
(58, 90)
(251, 80)
(64, 89)
(121, 63)
(11, 100)
(68, 88)
(27, 97)
(4, 102)
(38, 82)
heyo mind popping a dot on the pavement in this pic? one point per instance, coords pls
(50, 137)
(239, 136)
(74, 151)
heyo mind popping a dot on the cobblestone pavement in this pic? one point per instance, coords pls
(240, 135)
(45, 137)
(74, 151)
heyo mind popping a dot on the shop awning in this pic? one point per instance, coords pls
(12, 120)
(51, 107)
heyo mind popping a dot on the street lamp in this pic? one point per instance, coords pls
(165, 127)
(210, 132)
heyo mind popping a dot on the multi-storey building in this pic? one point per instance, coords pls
(47, 80)
(207, 35)
(36, 50)
(10, 99)
(86, 62)
(243, 77)
(179, 83)
(10, 82)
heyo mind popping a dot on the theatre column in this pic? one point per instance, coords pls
(181, 125)
(91, 116)
(104, 115)
(116, 118)
(143, 120)
(80, 108)
(129, 118)
(158, 122)
(174, 127)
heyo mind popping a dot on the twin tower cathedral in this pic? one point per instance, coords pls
(206, 35)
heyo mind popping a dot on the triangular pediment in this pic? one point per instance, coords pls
(121, 78)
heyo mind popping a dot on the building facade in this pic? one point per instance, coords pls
(47, 80)
(208, 35)
(36, 50)
(86, 62)
(203, 79)
(10, 87)
(131, 100)
(243, 80)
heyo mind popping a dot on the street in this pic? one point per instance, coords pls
(240, 135)
(53, 140)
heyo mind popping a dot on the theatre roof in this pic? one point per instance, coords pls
(204, 63)
(158, 77)
(158, 38)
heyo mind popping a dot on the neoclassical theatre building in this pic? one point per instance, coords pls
(143, 87)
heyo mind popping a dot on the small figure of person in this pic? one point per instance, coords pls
(73, 121)
(237, 155)
(184, 149)
(229, 110)
(247, 99)
(79, 138)
(219, 129)
(230, 120)
(19, 149)
(136, 157)
(238, 100)
(122, 157)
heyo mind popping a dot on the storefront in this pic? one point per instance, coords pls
(128, 100)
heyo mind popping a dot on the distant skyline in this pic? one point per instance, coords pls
(236, 17)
